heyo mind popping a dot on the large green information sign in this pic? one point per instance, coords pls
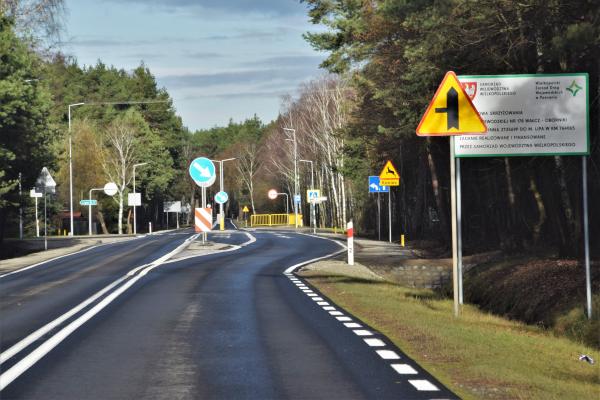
(526, 115)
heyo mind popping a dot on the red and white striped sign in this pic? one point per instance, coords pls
(203, 219)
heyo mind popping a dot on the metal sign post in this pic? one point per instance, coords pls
(586, 239)
(45, 224)
(459, 232)
(455, 284)
(390, 215)
(46, 184)
(378, 217)
(204, 206)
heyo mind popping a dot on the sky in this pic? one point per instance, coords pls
(218, 59)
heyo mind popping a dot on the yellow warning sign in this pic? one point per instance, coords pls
(245, 209)
(389, 176)
(451, 112)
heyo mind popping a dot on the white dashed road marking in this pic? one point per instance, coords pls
(422, 384)
(375, 342)
(385, 354)
(404, 369)
(388, 355)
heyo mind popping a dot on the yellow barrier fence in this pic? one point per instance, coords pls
(274, 219)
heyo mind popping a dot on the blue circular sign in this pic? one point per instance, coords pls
(202, 171)
(221, 197)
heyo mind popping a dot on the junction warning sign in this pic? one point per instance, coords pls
(451, 112)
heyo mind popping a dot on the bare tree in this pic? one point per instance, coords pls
(118, 154)
(248, 166)
(319, 117)
(40, 19)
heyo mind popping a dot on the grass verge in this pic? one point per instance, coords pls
(478, 356)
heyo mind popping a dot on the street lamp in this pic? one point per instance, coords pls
(287, 200)
(295, 172)
(221, 216)
(135, 200)
(313, 218)
(71, 233)
(90, 209)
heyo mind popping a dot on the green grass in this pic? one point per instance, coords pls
(478, 356)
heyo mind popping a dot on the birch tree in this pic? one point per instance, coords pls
(319, 117)
(129, 140)
(248, 166)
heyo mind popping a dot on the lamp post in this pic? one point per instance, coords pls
(287, 200)
(313, 219)
(295, 172)
(90, 209)
(135, 204)
(71, 233)
(221, 188)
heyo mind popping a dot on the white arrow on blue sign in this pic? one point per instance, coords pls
(202, 171)
(375, 187)
(221, 197)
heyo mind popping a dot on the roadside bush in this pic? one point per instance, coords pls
(578, 327)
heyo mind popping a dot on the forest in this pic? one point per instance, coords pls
(385, 59)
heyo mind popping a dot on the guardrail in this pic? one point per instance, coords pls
(274, 219)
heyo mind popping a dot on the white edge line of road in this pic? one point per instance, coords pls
(303, 263)
(388, 355)
(28, 361)
(66, 255)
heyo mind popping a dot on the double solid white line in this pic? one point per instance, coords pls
(28, 361)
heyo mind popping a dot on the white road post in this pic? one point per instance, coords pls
(350, 234)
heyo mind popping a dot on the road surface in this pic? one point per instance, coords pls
(125, 321)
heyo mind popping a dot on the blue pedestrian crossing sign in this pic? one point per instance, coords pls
(375, 187)
(221, 197)
(202, 171)
(312, 195)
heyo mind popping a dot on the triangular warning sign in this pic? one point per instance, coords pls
(389, 176)
(451, 112)
(389, 171)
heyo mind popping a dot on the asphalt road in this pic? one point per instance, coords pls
(123, 322)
